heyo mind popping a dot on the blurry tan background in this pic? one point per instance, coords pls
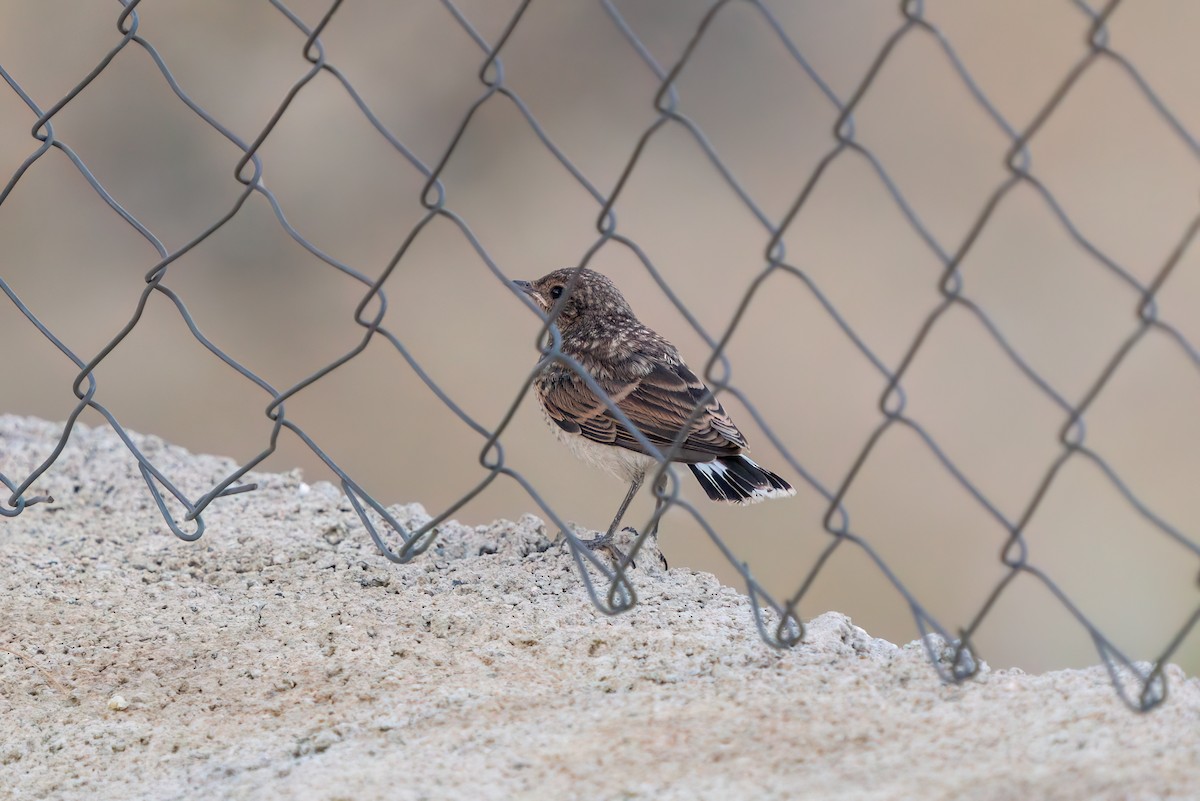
(1118, 170)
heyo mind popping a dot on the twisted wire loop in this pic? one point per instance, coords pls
(610, 586)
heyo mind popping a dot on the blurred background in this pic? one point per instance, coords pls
(1124, 177)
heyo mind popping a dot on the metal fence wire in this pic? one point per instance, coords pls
(1142, 686)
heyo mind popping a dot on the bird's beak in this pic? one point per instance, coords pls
(525, 287)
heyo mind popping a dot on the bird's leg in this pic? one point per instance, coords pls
(659, 486)
(605, 540)
(659, 502)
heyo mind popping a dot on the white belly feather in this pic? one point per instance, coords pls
(620, 462)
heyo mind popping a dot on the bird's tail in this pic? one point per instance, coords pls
(738, 479)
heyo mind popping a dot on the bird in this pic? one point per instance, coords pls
(646, 378)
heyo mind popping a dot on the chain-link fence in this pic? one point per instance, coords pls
(778, 264)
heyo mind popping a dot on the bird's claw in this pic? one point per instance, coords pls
(662, 559)
(606, 542)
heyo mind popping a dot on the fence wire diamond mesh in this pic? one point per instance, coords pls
(611, 587)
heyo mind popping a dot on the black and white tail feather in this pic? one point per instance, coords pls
(739, 479)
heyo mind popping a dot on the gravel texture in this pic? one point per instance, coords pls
(282, 657)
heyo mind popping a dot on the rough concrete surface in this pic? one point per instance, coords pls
(282, 657)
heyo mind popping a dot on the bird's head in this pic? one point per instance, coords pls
(589, 298)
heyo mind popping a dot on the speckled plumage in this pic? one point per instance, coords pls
(648, 381)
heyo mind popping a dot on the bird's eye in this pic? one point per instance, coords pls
(556, 292)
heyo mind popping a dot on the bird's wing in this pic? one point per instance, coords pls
(658, 404)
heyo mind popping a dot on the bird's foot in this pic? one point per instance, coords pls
(649, 548)
(615, 544)
(607, 543)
